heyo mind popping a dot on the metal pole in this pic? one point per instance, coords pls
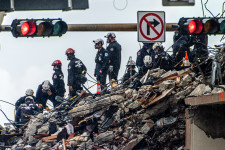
(101, 27)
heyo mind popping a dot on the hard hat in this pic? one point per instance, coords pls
(46, 85)
(131, 63)
(147, 60)
(29, 92)
(157, 44)
(70, 51)
(98, 40)
(113, 35)
(56, 62)
(29, 99)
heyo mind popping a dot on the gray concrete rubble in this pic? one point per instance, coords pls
(148, 115)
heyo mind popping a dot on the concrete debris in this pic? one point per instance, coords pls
(199, 90)
(147, 116)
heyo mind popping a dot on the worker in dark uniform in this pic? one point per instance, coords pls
(102, 61)
(181, 45)
(29, 92)
(76, 72)
(162, 59)
(58, 79)
(130, 70)
(146, 50)
(114, 49)
(25, 111)
(46, 91)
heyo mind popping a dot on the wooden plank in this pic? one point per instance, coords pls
(53, 137)
(206, 99)
(158, 98)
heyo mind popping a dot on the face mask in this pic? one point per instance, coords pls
(55, 69)
(96, 46)
(70, 57)
(108, 40)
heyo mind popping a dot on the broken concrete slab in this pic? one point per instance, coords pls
(199, 90)
(104, 137)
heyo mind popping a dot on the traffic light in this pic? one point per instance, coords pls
(204, 25)
(38, 27)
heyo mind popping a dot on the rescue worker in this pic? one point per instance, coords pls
(146, 50)
(181, 45)
(25, 111)
(130, 70)
(46, 91)
(162, 59)
(101, 60)
(76, 72)
(114, 49)
(58, 79)
(29, 92)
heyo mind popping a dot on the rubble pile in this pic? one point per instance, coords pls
(141, 114)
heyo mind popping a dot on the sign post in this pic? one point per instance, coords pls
(151, 26)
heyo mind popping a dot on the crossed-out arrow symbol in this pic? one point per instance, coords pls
(152, 24)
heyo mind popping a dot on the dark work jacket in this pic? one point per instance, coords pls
(21, 100)
(58, 83)
(163, 61)
(140, 57)
(42, 96)
(101, 60)
(114, 50)
(28, 109)
(75, 68)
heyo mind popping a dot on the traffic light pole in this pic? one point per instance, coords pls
(100, 27)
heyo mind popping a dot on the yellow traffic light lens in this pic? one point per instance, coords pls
(45, 28)
(211, 26)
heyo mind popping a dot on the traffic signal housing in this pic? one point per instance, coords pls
(38, 27)
(205, 25)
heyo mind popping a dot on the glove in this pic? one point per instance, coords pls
(70, 88)
(83, 72)
(49, 92)
(100, 71)
(40, 106)
(110, 68)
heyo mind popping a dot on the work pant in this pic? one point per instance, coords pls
(102, 79)
(114, 73)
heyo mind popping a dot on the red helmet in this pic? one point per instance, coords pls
(70, 51)
(56, 62)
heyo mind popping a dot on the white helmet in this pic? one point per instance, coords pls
(113, 35)
(157, 44)
(147, 60)
(98, 40)
(29, 92)
(29, 99)
(46, 85)
(131, 63)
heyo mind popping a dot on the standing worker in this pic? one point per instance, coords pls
(146, 50)
(76, 72)
(101, 60)
(29, 92)
(58, 79)
(114, 49)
